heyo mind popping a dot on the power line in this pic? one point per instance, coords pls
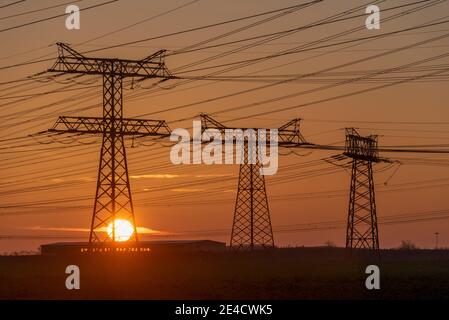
(342, 96)
(56, 16)
(196, 103)
(38, 10)
(140, 22)
(12, 3)
(201, 27)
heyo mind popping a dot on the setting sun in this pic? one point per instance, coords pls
(123, 230)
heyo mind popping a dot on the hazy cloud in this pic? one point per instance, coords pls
(140, 230)
(156, 176)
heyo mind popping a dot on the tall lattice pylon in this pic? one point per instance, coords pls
(362, 229)
(251, 227)
(113, 199)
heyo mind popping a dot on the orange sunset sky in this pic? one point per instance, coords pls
(48, 183)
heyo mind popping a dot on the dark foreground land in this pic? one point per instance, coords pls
(302, 273)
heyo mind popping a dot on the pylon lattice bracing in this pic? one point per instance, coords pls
(362, 216)
(362, 229)
(113, 195)
(251, 227)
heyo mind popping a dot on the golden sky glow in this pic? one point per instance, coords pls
(49, 182)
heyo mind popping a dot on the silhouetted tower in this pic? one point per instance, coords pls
(361, 229)
(252, 224)
(113, 198)
(251, 227)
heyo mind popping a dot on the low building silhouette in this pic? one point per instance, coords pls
(141, 247)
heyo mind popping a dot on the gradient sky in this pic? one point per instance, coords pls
(198, 201)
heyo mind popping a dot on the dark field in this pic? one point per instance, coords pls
(302, 273)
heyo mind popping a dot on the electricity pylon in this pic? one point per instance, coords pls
(113, 195)
(252, 222)
(362, 229)
(251, 227)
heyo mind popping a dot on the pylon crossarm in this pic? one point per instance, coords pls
(70, 61)
(289, 134)
(97, 125)
(208, 122)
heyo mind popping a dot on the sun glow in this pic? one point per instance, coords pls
(123, 230)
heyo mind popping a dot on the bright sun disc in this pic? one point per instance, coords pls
(123, 230)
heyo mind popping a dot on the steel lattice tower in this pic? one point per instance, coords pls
(362, 229)
(251, 227)
(113, 194)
